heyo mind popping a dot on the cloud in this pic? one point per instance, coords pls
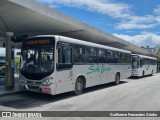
(135, 26)
(123, 13)
(139, 22)
(144, 39)
(113, 9)
(116, 10)
(157, 10)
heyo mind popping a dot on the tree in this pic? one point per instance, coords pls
(17, 61)
(157, 50)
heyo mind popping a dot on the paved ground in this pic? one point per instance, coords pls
(2, 81)
(131, 95)
(3, 91)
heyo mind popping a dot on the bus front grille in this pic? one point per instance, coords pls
(37, 88)
(34, 83)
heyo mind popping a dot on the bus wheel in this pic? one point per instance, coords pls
(143, 74)
(152, 72)
(79, 86)
(117, 79)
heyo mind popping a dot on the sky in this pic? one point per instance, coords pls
(136, 21)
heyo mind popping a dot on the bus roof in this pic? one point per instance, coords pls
(143, 56)
(81, 42)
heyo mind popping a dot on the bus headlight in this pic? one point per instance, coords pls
(47, 81)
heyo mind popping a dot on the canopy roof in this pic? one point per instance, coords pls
(28, 17)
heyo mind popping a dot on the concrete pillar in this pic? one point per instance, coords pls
(9, 83)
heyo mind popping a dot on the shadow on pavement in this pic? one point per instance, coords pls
(138, 78)
(26, 99)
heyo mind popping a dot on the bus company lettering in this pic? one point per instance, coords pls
(98, 69)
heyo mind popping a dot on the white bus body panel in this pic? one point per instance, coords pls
(94, 75)
(64, 81)
(147, 69)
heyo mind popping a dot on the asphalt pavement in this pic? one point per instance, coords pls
(2, 81)
(133, 94)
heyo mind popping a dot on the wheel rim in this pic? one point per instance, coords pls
(79, 86)
(117, 79)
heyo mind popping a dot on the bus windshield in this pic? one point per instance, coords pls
(37, 58)
(135, 62)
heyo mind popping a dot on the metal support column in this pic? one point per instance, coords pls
(9, 83)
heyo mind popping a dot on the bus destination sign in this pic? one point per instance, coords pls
(38, 42)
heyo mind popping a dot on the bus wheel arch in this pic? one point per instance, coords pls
(117, 78)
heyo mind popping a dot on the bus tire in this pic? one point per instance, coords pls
(79, 86)
(117, 79)
(143, 74)
(152, 72)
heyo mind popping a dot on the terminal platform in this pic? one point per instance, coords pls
(3, 91)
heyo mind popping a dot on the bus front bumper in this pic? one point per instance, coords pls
(50, 89)
(135, 73)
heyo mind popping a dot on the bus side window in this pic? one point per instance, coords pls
(60, 54)
(110, 56)
(91, 55)
(141, 62)
(128, 58)
(64, 57)
(117, 57)
(123, 58)
(101, 56)
(79, 54)
(67, 54)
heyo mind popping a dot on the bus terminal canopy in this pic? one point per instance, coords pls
(28, 17)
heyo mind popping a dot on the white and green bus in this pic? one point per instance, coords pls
(55, 64)
(143, 65)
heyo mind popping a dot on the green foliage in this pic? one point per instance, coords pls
(44, 57)
(158, 53)
(2, 71)
(17, 61)
(2, 67)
